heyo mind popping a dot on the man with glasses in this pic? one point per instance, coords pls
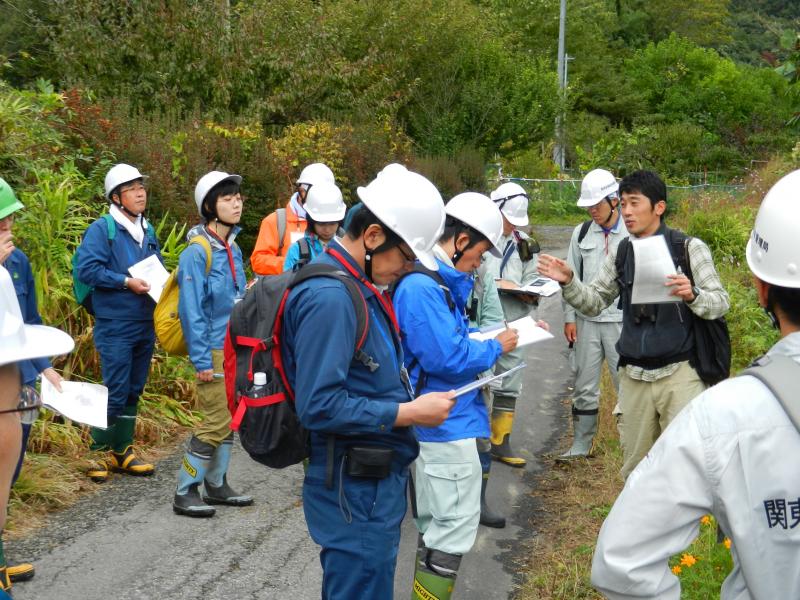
(281, 229)
(123, 331)
(359, 412)
(594, 338)
(18, 342)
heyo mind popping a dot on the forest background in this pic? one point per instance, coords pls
(704, 92)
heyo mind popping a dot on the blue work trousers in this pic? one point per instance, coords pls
(357, 523)
(125, 349)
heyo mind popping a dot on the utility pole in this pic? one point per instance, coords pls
(558, 152)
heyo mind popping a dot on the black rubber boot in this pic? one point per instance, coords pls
(488, 517)
(217, 490)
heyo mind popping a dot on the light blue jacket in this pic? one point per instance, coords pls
(205, 302)
(293, 255)
(436, 341)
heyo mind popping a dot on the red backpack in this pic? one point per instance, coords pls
(268, 426)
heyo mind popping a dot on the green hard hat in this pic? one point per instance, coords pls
(8, 201)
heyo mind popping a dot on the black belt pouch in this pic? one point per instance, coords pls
(373, 462)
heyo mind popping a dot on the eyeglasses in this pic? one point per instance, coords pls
(136, 187)
(408, 258)
(28, 400)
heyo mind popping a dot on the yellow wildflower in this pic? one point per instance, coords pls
(727, 543)
(687, 560)
(676, 569)
(706, 520)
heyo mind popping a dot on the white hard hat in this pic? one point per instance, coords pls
(119, 175)
(324, 203)
(410, 206)
(596, 186)
(316, 173)
(207, 182)
(512, 199)
(773, 252)
(480, 213)
(19, 341)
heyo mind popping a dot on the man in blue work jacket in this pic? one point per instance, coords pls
(123, 329)
(439, 354)
(358, 414)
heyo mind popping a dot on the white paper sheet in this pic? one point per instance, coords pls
(653, 263)
(153, 272)
(82, 402)
(479, 383)
(529, 332)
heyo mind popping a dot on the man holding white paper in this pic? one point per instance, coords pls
(657, 340)
(123, 329)
(439, 356)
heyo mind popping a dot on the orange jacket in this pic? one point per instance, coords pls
(266, 260)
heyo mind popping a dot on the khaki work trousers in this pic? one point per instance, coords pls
(213, 402)
(649, 406)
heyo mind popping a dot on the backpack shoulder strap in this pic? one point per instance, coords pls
(305, 249)
(359, 303)
(418, 268)
(204, 243)
(779, 373)
(281, 216)
(584, 230)
(622, 255)
(111, 226)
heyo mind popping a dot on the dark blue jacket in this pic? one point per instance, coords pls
(19, 267)
(334, 393)
(436, 339)
(104, 265)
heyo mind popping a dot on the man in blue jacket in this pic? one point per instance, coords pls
(359, 412)
(440, 355)
(207, 295)
(123, 329)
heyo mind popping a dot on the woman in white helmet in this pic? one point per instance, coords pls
(211, 279)
(123, 328)
(325, 210)
(280, 229)
(439, 355)
(359, 411)
(515, 268)
(731, 452)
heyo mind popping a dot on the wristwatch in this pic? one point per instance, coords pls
(696, 292)
(125, 283)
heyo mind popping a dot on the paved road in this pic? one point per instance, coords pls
(126, 544)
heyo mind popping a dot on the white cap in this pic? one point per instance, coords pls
(119, 175)
(259, 378)
(596, 186)
(324, 203)
(19, 341)
(512, 199)
(773, 252)
(316, 173)
(410, 206)
(480, 213)
(207, 182)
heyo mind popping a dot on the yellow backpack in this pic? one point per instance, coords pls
(165, 317)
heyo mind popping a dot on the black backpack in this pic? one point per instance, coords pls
(269, 428)
(711, 356)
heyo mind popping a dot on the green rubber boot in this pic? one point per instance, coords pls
(435, 575)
